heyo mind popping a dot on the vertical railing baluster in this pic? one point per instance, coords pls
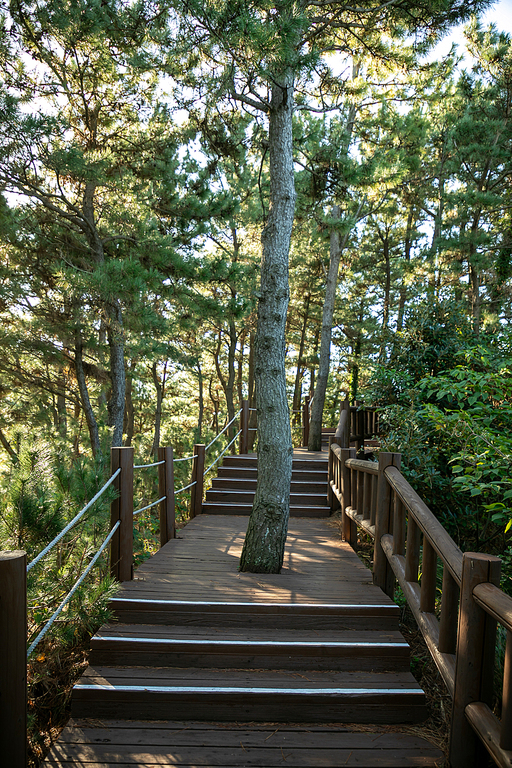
(449, 613)
(360, 492)
(428, 577)
(398, 526)
(348, 525)
(367, 496)
(506, 706)
(373, 511)
(412, 552)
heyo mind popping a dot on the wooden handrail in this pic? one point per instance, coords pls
(371, 467)
(430, 526)
(495, 602)
(462, 641)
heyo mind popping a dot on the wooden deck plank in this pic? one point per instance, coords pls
(118, 744)
(203, 564)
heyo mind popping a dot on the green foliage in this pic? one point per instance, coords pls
(454, 436)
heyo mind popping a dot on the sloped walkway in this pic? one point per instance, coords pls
(206, 666)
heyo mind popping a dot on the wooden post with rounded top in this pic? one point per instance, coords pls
(196, 496)
(244, 426)
(166, 488)
(13, 658)
(332, 499)
(474, 664)
(305, 423)
(121, 546)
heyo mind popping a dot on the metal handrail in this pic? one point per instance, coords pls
(72, 591)
(146, 466)
(235, 417)
(223, 452)
(185, 488)
(73, 521)
(153, 504)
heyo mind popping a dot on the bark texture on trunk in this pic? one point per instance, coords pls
(317, 409)
(263, 548)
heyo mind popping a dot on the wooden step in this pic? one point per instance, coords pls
(235, 483)
(154, 645)
(267, 615)
(190, 743)
(250, 695)
(301, 476)
(250, 461)
(228, 496)
(224, 508)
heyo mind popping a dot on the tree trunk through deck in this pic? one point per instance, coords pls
(263, 548)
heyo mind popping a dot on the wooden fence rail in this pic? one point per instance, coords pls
(377, 498)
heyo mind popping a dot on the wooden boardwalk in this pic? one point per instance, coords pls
(206, 666)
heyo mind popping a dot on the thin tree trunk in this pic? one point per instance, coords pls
(228, 385)
(317, 409)
(297, 389)
(263, 549)
(159, 386)
(8, 447)
(253, 418)
(129, 415)
(201, 403)
(90, 418)
(215, 403)
(387, 296)
(115, 336)
(240, 370)
(407, 258)
(251, 370)
(312, 370)
(474, 274)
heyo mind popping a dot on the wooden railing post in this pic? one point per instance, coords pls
(383, 576)
(349, 527)
(166, 488)
(474, 666)
(305, 423)
(121, 547)
(13, 658)
(332, 500)
(343, 428)
(244, 426)
(196, 496)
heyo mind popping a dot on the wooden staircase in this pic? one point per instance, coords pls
(248, 668)
(194, 641)
(232, 491)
